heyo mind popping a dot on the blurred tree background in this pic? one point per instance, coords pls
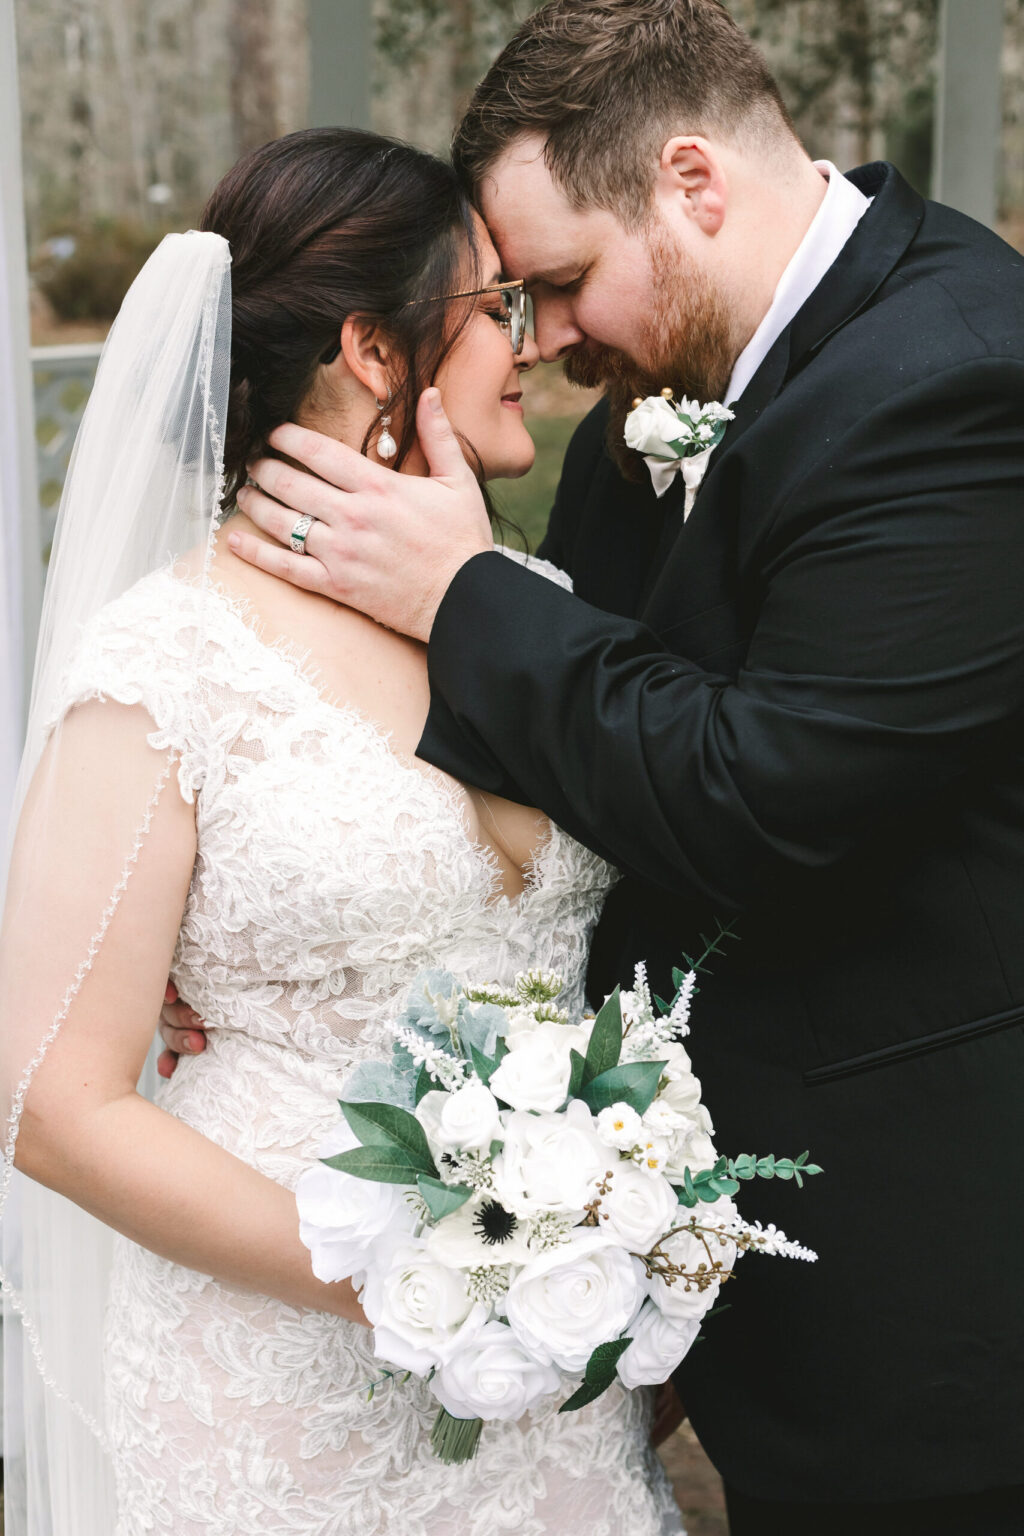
(132, 109)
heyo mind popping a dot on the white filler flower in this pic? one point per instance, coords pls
(493, 1377)
(567, 1301)
(620, 1126)
(340, 1217)
(659, 1344)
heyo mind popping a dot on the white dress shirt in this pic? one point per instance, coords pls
(842, 209)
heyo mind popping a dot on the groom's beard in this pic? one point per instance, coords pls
(687, 346)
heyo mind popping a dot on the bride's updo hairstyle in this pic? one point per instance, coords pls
(324, 224)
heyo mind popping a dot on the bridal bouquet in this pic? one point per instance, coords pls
(530, 1204)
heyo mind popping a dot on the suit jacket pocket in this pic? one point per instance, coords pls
(905, 1050)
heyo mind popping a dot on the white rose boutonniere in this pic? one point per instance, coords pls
(676, 437)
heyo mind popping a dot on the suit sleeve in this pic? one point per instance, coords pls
(886, 662)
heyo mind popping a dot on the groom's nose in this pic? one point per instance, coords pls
(554, 328)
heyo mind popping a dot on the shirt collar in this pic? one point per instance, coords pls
(841, 210)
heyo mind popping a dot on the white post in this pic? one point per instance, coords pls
(341, 63)
(968, 115)
(21, 579)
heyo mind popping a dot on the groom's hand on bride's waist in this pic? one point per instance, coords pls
(384, 543)
(181, 1029)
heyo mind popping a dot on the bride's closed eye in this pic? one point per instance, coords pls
(500, 314)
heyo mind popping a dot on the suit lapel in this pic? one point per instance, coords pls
(695, 568)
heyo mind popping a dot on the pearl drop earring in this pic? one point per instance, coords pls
(386, 445)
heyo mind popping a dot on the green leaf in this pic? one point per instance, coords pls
(582, 1396)
(576, 1075)
(496, 1147)
(605, 1046)
(602, 1363)
(424, 1084)
(483, 1066)
(678, 976)
(634, 1084)
(598, 1376)
(442, 1199)
(387, 1125)
(685, 1198)
(661, 1005)
(382, 1165)
(486, 1066)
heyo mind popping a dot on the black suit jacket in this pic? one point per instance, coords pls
(804, 710)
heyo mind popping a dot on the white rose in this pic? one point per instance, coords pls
(683, 1300)
(659, 1345)
(692, 1148)
(620, 1126)
(535, 1073)
(637, 1209)
(682, 1094)
(676, 1059)
(651, 426)
(521, 1023)
(493, 1377)
(340, 1216)
(466, 1120)
(660, 1119)
(573, 1298)
(416, 1305)
(550, 1162)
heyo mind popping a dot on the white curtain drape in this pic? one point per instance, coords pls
(20, 570)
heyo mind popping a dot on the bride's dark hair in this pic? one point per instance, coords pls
(324, 224)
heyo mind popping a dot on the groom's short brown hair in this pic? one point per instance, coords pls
(606, 83)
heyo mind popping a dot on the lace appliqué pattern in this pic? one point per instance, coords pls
(329, 872)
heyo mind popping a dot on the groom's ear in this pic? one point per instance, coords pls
(691, 183)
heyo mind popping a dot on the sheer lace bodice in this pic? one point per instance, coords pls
(329, 872)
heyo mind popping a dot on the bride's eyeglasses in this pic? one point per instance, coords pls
(512, 319)
(513, 299)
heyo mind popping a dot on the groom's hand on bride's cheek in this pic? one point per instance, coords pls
(181, 1029)
(385, 543)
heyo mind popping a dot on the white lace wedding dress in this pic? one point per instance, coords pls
(330, 872)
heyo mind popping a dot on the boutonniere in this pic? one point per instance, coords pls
(676, 437)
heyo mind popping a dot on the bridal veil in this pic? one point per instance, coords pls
(143, 491)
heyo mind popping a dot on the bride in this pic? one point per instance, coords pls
(221, 784)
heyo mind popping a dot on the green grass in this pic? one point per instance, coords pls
(528, 501)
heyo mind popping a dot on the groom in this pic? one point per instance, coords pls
(798, 710)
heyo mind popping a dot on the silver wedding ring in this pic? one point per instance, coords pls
(299, 532)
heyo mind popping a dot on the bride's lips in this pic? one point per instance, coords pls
(513, 401)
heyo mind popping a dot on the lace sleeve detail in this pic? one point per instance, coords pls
(142, 649)
(542, 567)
